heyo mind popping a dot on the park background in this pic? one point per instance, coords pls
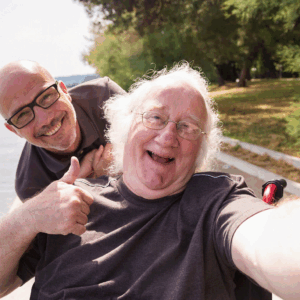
(247, 49)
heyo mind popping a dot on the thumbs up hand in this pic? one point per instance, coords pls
(72, 174)
(61, 208)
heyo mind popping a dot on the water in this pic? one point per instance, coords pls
(10, 150)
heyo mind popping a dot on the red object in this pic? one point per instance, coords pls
(270, 193)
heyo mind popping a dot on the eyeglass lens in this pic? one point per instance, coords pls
(26, 115)
(186, 130)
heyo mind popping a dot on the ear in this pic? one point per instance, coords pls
(64, 89)
(12, 129)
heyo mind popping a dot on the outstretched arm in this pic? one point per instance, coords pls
(266, 247)
(60, 209)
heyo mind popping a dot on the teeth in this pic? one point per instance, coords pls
(54, 130)
(160, 159)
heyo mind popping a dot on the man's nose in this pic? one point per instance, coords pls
(168, 136)
(43, 116)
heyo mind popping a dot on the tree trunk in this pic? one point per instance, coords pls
(245, 73)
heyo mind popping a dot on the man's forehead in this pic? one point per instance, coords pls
(22, 84)
(179, 92)
(17, 90)
(20, 81)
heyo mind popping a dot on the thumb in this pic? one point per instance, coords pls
(71, 175)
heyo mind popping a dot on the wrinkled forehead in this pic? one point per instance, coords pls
(20, 88)
(180, 96)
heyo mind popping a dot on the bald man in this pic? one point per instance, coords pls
(57, 123)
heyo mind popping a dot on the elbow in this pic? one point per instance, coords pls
(7, 287)
(4, 291)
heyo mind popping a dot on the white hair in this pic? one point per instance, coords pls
(120, 112)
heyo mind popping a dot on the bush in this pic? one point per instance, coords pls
(125, 56)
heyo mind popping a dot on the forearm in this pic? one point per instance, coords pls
(16, 234)
(17, 202)
(274, 262)
(61, 208)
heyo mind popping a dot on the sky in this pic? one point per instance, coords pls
(54, 33)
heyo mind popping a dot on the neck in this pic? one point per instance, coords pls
(151, 194)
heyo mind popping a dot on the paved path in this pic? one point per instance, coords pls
(252, 181)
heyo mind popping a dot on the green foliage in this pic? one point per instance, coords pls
(236, 147)
(119, 56)
(124, 56)
(284, 13)
(216, 33)
(290, 57)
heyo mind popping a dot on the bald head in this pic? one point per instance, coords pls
(17, 79)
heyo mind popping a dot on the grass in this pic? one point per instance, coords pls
(259, 114)
(279, 167)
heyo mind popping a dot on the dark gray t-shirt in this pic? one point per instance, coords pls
(176, 247)
(38, 167)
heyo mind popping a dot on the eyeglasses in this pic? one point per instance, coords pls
(26, 113)
(157, 121)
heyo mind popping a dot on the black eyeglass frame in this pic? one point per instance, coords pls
(32, 104)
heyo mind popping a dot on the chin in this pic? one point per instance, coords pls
(157, 183)
(62, 147)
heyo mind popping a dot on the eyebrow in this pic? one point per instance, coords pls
(36, 96)
(153, 104)
(195, 118)
(158, 105)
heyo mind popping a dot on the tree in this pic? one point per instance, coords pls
(231, 35)
(265, 26)
(174, 30)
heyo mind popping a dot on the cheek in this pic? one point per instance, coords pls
(140, 135)
(27, 132)
(190, 151)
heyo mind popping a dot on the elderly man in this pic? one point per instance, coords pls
(56, 123)
(159, 230)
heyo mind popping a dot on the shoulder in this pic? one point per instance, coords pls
(217, 180)
(100, 87)
(208, 192)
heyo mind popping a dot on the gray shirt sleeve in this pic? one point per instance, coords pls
(240, 205)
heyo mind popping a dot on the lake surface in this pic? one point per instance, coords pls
(10, 150)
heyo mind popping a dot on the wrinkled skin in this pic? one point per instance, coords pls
(159, 163)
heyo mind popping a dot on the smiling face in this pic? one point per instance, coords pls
(55, 128)
(159, 163)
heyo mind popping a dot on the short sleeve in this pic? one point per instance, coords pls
(239, 205)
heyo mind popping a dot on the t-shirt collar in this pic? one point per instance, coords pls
(131, 197)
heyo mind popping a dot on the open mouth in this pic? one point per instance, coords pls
(54, 129)
(159, 159)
